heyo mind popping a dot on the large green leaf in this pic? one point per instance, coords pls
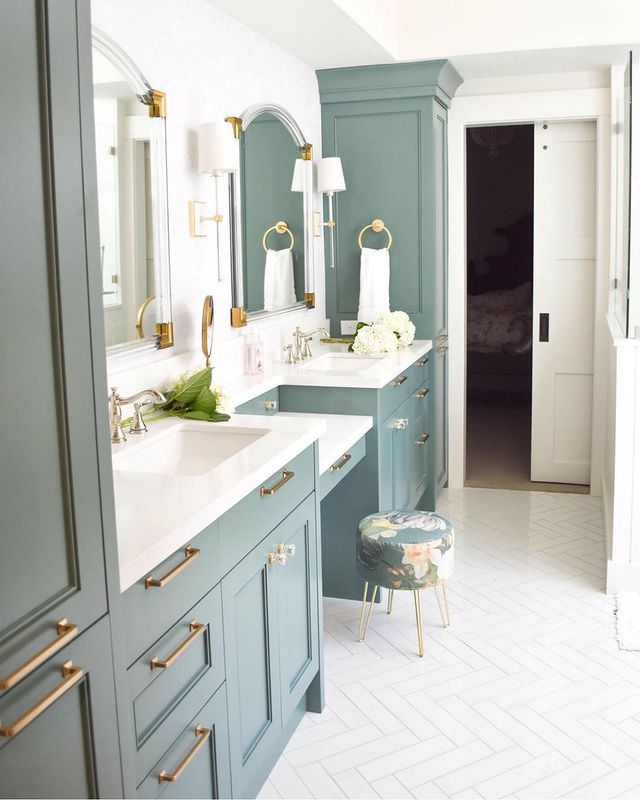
(188, 393)
(205, 401)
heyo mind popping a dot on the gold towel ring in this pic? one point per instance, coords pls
(377, 226)
(140, 315)
(280, 227)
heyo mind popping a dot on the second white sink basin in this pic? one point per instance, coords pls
(186, 449)
(341, 362)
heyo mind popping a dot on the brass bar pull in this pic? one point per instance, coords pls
(71, 676)
(197, 629)
(422, 439)
(339, 464)
(422, 362)
(423, 393)
(286, 477)
(399, 381)
(65, 632)
(203, 734)
(190, 555)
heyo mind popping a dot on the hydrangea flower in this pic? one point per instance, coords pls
(375, 339)
(401, 325)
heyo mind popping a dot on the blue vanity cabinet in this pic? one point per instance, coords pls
(395, 458)
(420, 444)
(266, 404)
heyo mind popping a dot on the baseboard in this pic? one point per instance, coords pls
(623, 576)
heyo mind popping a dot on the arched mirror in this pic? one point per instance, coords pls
(272, 216)
(132, 202)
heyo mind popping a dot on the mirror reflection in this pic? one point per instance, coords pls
(272, 216)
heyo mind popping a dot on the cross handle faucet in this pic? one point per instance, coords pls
(115, 412)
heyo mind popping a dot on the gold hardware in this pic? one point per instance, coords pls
(197, 629)
(287, 474)
(140, 315)
(442, 350)
(362, 630)
(279, 556)
(307, 152)
(444, 612)
(399, 381)
(423, 393)
(422, 439)
(71, 676)
(340, 464)
(65, 632)
(310, 299)
(377, 226)
(416, 600)
(207, 322)
(390, 601)
(203, 734)
(164, 333)
(236, 124)
(190, 553)
(158, 104)
(280, 227)
(422, 362)
(271, 405)
(238, 317)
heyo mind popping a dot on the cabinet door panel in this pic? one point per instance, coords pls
(420, 428)
(298, 600)
(440, 418)
(395, 459)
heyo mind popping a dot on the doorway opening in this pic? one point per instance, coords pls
(500, 308)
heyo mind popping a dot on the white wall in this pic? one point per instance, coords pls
(210, 66)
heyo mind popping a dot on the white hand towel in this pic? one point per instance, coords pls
(279, 286)
(374, 284)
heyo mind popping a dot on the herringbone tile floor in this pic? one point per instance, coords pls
(526, 695)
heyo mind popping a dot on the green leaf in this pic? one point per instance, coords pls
(218, 417)
(362, 325)
(202, 415)
(205, 401)
(193, 386)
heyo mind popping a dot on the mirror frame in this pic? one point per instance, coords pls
(155, 101)
(239, 314)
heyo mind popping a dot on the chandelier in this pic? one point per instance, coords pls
(493, 137)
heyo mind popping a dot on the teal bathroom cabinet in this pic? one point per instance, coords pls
(388, 124)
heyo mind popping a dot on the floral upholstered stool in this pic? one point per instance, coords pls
(405, 550)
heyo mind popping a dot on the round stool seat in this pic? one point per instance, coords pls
(405, 549)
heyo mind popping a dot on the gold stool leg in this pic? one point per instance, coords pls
(364, 604)
(373, 599)
(446, 605)
(390, 601)
(444, 617)
(416, 600)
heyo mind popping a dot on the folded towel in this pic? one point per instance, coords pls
(279, 286)
(374, 284)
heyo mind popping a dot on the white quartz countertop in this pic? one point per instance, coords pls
(342, 431)
(375, 375)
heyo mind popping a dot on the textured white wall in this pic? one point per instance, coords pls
(210, 66)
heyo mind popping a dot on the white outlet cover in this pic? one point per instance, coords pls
(348, 327)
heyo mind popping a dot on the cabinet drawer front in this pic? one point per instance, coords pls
(330, 479)
(266, 403)
(421, 370)
(246, 524)
(70, 749)
(202, 750)
(401, 387)
(150, 612)
(166, 697)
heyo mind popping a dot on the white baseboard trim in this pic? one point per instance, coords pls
(623, 576)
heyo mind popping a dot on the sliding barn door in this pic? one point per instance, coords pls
(563, 301)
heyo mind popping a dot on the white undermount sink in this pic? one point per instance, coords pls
(186, 449)
(341, 362)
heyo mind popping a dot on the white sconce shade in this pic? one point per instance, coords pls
(297, 183)
(218, 150)
(330, 175)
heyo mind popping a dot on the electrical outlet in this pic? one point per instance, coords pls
(348, 327)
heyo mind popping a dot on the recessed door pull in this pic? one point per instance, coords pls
(544, 328)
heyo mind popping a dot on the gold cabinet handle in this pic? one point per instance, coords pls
(197, 629)
(65, 632)
(423, 393)
(422, 439)
(422, 362)
(286, 477)
(203, 734)
(399, 381)
(340, 463)
(271, 405)
(190, 555)
(71, 676)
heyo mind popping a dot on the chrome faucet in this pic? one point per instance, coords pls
(115, 412)
(301, 343)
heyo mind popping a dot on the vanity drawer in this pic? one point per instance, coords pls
(187, 575)
(173, 679)
(397, 390)
(342, 467)
(248, 522)
(266, 404)
(198, 760)
(421, 370)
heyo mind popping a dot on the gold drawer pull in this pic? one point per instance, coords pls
(422, 439)
(286, 477)
(399, 381)
(339, 464)
(71, 676)
(197, 629)
(423, 393)
(203, 734)
(65, 632)
(422, 362)
(190, 555)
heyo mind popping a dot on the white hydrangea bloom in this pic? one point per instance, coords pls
(375, 339)
(399, 322)
(223, 401)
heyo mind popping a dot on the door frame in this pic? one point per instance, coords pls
(518, 108)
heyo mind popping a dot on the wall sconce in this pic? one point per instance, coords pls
(218, 155)
(331, 180)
